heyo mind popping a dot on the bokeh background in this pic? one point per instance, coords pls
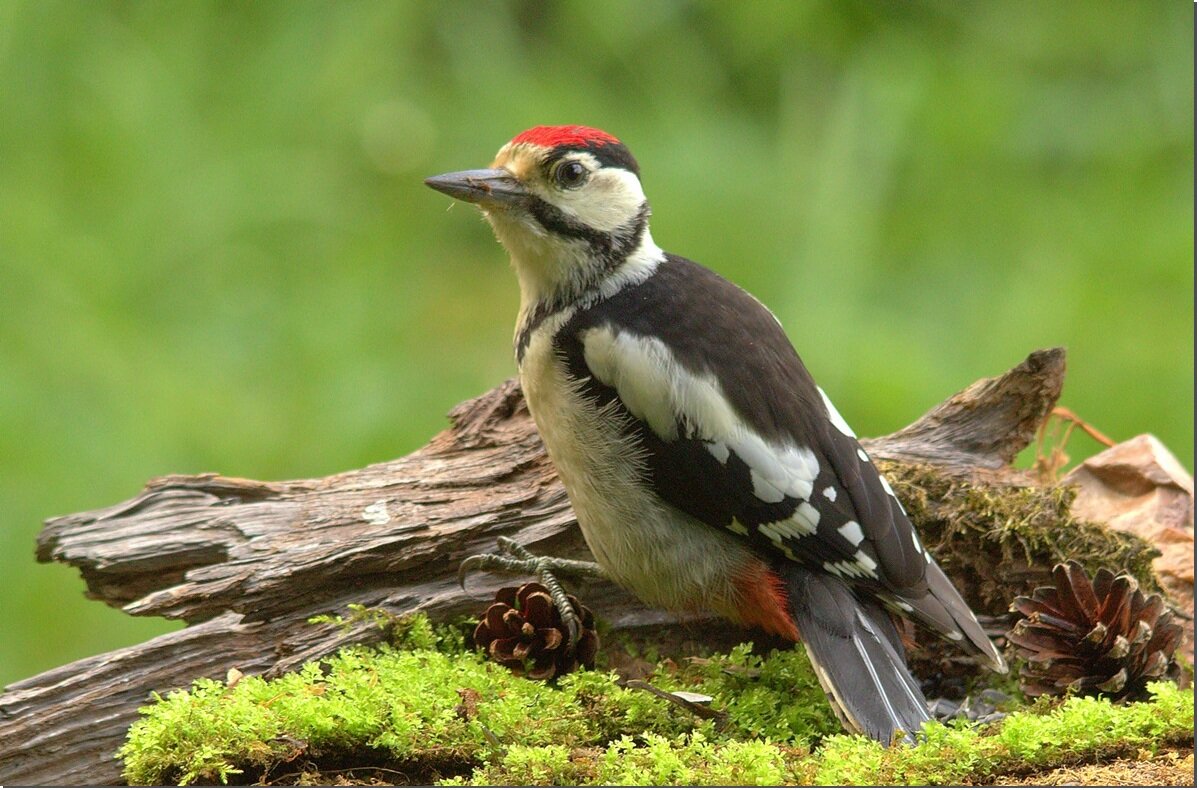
(216, 253)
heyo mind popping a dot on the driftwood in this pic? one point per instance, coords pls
(246, 563)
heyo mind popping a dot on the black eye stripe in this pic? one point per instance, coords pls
(610, 250)
(556, 221)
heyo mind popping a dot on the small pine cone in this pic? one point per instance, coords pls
(1101, 638)
(523, 630)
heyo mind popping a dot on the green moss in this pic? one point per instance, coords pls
(1077, 731)
(646, 760)
(690, 760)
(776, 696)
(436, 712)
(432, 705)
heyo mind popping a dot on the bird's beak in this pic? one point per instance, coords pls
(486, 187)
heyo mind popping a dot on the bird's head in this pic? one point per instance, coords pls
(567, 204)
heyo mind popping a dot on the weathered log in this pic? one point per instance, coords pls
(247, 563)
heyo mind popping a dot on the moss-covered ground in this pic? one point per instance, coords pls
(425, 709)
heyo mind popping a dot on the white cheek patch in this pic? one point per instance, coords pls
(609, 200)
(835, 417)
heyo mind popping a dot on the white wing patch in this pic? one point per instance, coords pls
(895, 604)
(765, 490)
(891, 491)
(846, 569)
(852, 532)
(657, 389)
(791, 470)
(786, 528)
(778, 532)
(865, 562)
(646, 376)
(861, 566)
(835, 417)
(830, 494)
(808, 516)
(719, 451)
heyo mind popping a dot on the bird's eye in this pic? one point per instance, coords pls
(572, 174)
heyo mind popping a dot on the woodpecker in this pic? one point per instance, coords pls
(706, 468)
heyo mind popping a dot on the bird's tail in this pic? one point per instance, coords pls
(855, 650)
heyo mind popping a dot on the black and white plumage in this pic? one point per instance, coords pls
(706, 468)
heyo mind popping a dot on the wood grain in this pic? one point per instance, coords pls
(247, 563)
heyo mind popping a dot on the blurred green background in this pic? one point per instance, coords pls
(216, 253)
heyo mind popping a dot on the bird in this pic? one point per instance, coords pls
(706, 468)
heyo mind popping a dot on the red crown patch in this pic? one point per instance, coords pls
(575, 136)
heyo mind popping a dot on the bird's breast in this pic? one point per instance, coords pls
(662, 555)
(597, 461)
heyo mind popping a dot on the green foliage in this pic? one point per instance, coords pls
(690, 760)
(217, 252)
(403, 702)
(776, 697)
(440, 713)
(953, 755)
(1078, 730)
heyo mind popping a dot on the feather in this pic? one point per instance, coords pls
(736, 434)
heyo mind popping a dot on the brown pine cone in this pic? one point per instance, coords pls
(523, 630)
(1101, 638)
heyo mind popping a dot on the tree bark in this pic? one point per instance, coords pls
(247, 563)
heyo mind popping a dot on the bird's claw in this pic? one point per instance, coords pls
(515, 558)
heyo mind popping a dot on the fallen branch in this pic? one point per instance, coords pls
(247, 563)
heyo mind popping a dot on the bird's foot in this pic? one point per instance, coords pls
(981, 708)
(515, 558)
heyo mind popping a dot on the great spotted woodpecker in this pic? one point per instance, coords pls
(706, 468)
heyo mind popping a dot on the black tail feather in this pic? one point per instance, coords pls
(855, 649)
(975, 639)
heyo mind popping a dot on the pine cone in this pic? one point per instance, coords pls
(1102, 638)
(523, 630)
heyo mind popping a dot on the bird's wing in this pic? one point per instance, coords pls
(736, 434)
